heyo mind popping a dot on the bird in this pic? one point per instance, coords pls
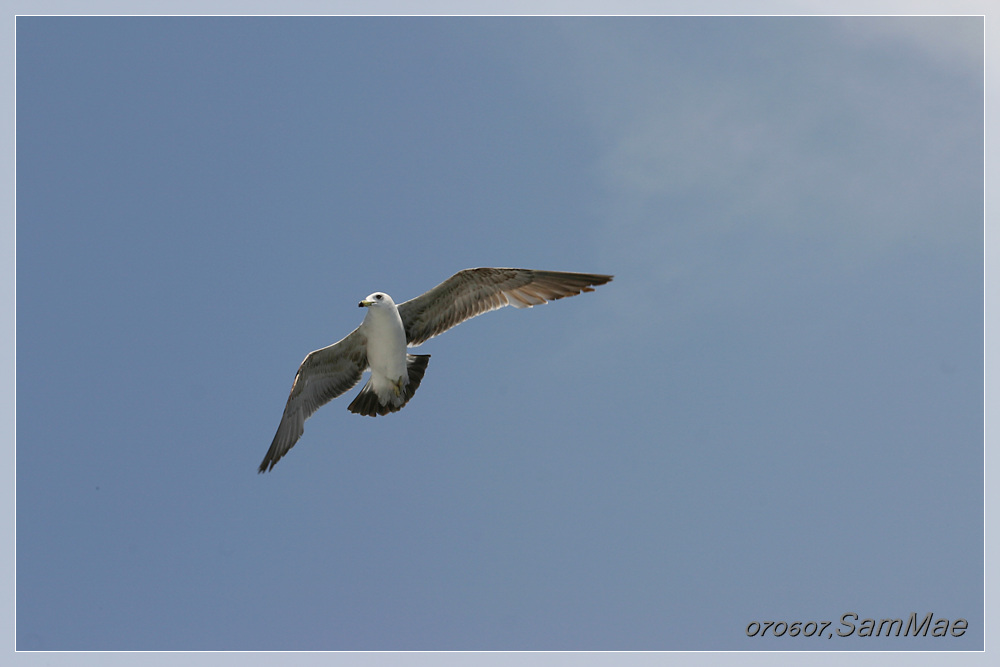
(381, 341)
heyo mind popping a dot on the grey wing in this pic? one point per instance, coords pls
(475, 291)
(323, 376)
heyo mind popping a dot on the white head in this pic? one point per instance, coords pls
(377, 300)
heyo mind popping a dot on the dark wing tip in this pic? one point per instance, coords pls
(269, 461)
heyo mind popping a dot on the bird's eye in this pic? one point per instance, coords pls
(378, 296)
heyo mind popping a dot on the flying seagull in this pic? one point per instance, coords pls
(380, 342)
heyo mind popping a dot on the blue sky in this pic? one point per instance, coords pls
(774, 412)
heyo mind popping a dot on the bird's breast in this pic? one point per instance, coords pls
(386, 344)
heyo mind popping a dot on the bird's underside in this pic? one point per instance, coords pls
(368, 403)
(380, 343)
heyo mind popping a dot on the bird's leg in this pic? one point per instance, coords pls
(397, 386)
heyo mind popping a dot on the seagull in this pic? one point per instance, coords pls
(380, 343)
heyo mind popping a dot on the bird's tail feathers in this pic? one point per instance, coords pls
(367, 402)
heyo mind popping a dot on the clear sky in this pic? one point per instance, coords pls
(774, 412)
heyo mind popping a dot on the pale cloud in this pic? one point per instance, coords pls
(951, 41)
(860, 134)
(839, 144)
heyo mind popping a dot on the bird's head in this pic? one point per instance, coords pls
(376, 300)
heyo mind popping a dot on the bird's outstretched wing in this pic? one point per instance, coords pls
(323, 376)
(475, 291)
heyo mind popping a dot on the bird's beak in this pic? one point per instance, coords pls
(365, 304)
